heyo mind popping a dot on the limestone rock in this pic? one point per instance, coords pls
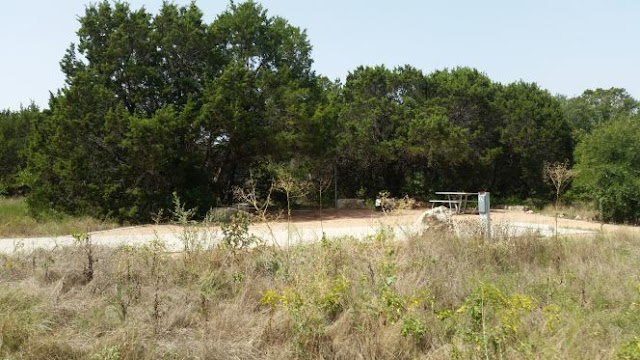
(434, 219)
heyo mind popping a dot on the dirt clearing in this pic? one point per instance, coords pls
(310, 226)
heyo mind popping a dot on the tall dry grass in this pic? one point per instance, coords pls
(435, 296)
(580, 210)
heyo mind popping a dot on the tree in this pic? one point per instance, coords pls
(372, 117)
(164, 103)
(261, 105)
(608, 169)
(15, 129)
(595, 107)
(533, 132)
(559, 175)
(467, 99)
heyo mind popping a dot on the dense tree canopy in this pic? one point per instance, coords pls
(15, 128)
(160, 103)
(406, 132)
(595, 107)
(608, 168)
(157, 103)
(533, 132)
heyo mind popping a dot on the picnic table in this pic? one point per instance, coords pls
(457, 200)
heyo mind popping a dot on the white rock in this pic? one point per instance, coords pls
(438, 217)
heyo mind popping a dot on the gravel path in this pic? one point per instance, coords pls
(307, 228)
(278, 233)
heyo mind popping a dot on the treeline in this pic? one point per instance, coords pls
(160, 103)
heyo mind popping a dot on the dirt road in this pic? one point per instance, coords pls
(308, 226)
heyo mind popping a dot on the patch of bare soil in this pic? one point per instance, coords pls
(340, 219)
(515, 216)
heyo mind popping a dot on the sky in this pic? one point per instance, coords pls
(565, 46)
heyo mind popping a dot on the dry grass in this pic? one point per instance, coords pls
(16, 221)
(581, 211)
(436, 296)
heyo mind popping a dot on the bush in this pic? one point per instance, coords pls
(608, 165)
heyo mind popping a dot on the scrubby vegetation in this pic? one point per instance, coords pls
(17, 221)
(437, 296)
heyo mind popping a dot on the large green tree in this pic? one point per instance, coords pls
(533, 132)
(377, 106)
(608, 169)
(595, 107)
(466, 98)
(156, 104)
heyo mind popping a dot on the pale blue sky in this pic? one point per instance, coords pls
(566, 46)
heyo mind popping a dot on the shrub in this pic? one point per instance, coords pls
(412, 326)
(236, 232)
(608, 165)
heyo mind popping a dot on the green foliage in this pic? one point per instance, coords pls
(292, 179)
(235, 233)
(334, 302)
(393, 305)
(160, 102)
(405, 131)
(13, 209)
(413, 327)
(16, 220)
(491, 320)
(180, 214)
(15, 128)
(107, 353)
(630, 350)
(608, 169)
(594, 107)
(372, 119)
(530, 113)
